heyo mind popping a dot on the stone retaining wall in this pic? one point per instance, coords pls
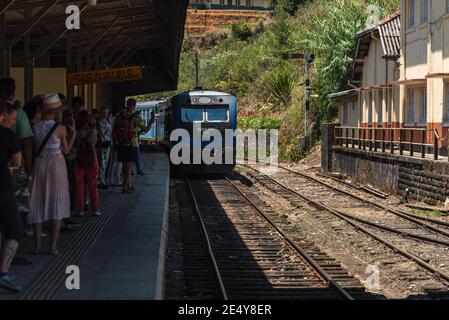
(426, 180)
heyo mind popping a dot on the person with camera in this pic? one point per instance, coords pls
(127, 127)
(104, 145)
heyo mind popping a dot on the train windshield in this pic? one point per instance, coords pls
(217, 114)
(190, 114)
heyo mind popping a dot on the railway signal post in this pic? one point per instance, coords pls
(310, 58)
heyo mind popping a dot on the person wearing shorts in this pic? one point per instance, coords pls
(127, 153)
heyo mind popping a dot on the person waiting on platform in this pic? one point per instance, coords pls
(128, 125)
(87, 167)
(50, 200)
(10, 156)
(104, 145)
(115, 166)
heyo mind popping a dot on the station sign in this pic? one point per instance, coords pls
(105, 76)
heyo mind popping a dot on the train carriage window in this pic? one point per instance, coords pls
(192, 114)
(217, 114)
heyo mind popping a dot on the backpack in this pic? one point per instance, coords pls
(85, 154)
(122, 133)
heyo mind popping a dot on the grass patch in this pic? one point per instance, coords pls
(434, 213)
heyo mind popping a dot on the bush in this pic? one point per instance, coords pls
(241, 31)
(289, 7)
(281, 83)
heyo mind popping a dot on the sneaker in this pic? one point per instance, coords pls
(86, 206)
(141, 174)
(97, 214)
(7, 283)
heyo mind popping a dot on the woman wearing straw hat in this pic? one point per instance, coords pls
(50, 200)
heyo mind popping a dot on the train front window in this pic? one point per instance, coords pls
(217, 114)
(192, 114)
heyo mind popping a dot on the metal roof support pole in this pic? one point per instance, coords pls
(46, 9)
(28, 62)
(79, 63)
(98, 37)
(68, 46)
(122, 56)
(5, 5)
(95, 59)
(5, 56)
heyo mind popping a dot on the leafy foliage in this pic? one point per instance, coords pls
(258, 123)
(241, 31)
(281, 83)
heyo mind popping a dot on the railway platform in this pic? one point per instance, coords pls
(120, 255)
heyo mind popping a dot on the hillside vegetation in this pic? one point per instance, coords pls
(248, 61)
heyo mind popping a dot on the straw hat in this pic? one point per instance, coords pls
(52, 103)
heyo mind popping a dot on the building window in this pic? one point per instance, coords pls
(345, 112)
(411, 106)
(411, 13)
(423, 107)
(424, 11)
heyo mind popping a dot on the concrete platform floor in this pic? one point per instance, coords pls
(120, 255)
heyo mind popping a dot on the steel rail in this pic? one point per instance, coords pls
(218, 277)
(331, 282)
(358, 226)
(422, 221)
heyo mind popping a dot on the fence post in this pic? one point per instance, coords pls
(336, 136)
(383, 140)
(391, 141)
(411, 143)
(401, 137)
(347, 138)
(423, 142)
(435, 143)
(375, 139)
(364, 138)
(370, 136)
(353, 138)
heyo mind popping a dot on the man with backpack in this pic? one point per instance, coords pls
(127, 127)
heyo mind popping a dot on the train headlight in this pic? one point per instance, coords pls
(205, 100)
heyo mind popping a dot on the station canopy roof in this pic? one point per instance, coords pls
(113, 33)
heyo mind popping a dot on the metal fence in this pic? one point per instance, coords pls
(417, 142)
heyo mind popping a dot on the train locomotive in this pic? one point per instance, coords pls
(195, 112)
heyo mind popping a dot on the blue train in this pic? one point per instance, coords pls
(194, 112)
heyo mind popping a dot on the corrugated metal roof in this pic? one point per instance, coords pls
(390, 35)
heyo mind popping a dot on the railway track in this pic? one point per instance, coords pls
(250, 257)
(347, 207)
